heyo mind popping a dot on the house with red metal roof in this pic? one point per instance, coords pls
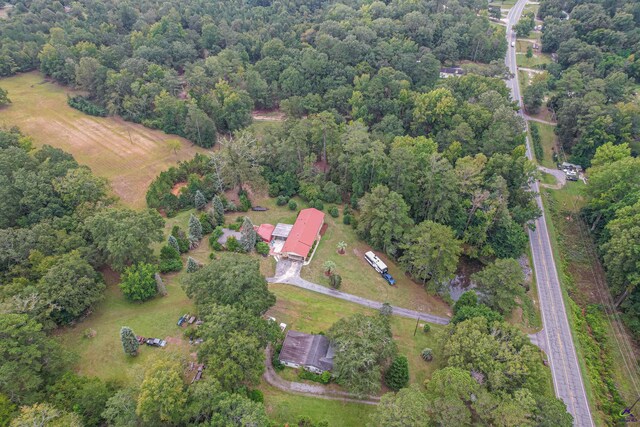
(305, 231)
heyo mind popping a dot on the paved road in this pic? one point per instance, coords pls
(556, 337)
(288, 272)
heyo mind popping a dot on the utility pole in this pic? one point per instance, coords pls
(416, 329)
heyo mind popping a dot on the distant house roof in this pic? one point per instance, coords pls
(226, 233)
(307, 350)
(265, 231)
(452, 70)
(282, 230)
(304, 232)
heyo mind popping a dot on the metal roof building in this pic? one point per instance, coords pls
(311, 352)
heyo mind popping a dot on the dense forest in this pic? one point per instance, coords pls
(592, 86)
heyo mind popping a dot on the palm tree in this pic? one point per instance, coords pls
(329, 267)
(341, 247)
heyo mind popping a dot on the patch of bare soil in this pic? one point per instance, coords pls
(272, 115)
(176, 188)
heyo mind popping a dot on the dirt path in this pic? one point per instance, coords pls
(310, 390)
(540, 120)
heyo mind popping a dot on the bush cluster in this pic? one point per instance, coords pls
(537, 141)
(83, 104)
(324, 378)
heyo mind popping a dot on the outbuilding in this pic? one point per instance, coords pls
(303, 234)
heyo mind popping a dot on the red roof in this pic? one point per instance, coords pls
(304, 232)
(265, 231)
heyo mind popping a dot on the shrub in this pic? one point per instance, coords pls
(317, 204)
(274, 190)
(275, 359)
(346, 219)
(336, 281)
(262, 248)
(255, 395)
(233, 245)
(245, 203)
(426, 328)
(183, 242)
(323, 378)
(469, 298)
(536, 139)
(397, 376)
(205, 221)
(139, 282)
(235, 226)
(292, 205)
(334, 212)
(427, 354)
(281, 200)
(83, 104)
(169, 259)
(231, 207)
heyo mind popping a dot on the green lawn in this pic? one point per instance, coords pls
(286, 408)
(549, 142)
(129, 155)
(102, 355)
(548, 179)
(359, 278)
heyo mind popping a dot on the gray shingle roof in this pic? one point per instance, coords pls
(307, 350)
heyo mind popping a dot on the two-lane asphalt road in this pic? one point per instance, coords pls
(556, 335)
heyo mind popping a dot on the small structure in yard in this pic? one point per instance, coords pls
(304, 233)
(226, 233)
(311, 352)
(446, 72)
(265, 231)
(281, 231)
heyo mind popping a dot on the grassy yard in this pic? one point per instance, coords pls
(286, 408)
(128, 154)
(359, 278)
(549, 141)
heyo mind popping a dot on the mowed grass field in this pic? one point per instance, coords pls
(129, 155)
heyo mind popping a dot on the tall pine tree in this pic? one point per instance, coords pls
(397, 375)
(129, 342)
(161, 288)
(199, 200)
(192, 265)
(173, 242)
(195, 231)
(248, 235)
(217, 210)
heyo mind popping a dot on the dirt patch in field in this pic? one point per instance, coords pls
(272, 115)
(176, 188)
(128, 154)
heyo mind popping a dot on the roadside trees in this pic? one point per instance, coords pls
(501, 282)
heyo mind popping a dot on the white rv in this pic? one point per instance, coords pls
(376, 262)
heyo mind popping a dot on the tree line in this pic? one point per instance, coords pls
(197, 69)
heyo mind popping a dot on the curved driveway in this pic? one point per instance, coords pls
(556, 335)
(288, 272)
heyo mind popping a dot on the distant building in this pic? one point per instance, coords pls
(305, 231)
(311, 352)
(447, 72)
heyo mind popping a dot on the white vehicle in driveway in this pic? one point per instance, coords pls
(376, 262)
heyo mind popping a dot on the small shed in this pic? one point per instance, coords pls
(281, 231)
(265, 231)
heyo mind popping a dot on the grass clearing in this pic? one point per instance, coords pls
(359, 278)
(549, 141)
(286, 408)
(128, 154)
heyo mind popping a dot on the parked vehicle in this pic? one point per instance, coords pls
(156, 342)
(389, 278)
(376, 262)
